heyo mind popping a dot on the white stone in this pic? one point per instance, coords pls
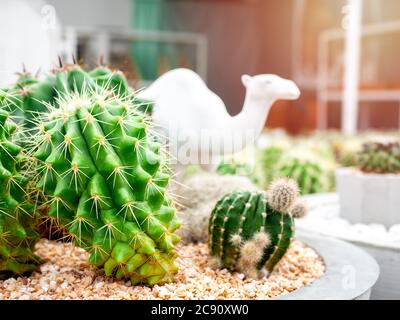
(384, 245)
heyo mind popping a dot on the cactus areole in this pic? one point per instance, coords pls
(105, 178)
(251, 231)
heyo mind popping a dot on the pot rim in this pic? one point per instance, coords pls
(343, 262)
(357, 172)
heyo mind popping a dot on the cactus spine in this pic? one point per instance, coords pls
(252, 230)
(30, 96)
(18, 219)
(106, 181)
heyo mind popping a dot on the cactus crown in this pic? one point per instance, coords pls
(380, 157)
(105, 178)
(17, 215)
(252, 230)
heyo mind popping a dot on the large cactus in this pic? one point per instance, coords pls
(252, 230)
(30, 96)
(106, 181)
(18, 219)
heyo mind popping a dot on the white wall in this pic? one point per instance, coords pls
(94, 13)
(29, 35)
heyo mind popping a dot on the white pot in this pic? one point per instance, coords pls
(368, 198)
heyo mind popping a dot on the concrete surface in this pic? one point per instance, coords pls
(350, 271)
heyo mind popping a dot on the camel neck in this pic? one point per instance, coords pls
(253, 115)
(249, 123)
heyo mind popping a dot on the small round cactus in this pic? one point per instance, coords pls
(312, 175)
(30, 96)
(250, 231)
(312, 172)
(237, 169)
(282, 194)
(18, 219)
(380, 157)
(299, 209)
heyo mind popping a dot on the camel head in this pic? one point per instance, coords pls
(272, 87)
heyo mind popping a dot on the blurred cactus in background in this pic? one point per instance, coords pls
(379, 157)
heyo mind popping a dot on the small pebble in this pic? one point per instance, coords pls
(67, 275)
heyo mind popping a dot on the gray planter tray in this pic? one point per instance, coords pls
(350, 271)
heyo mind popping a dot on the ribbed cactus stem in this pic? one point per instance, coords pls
(282, 194)
(105, 177)
(247, 233)
(18, 219)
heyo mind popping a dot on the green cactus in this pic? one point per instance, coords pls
(311, 174)
(18, 219)
(30, 97)
(252, 230)
(118, 84)
(268, 160)
(106, 180)
(379, 157)
(239, 169)
(346, 150)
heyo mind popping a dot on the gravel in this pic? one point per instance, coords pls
(67, 275)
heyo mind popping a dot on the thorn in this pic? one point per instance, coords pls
(74, 59)
(101, 61)
(38, 72)
(60, 63)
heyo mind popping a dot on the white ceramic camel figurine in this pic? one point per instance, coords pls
(196, 122)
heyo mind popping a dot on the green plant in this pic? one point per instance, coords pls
(18, 219)
(30, 96)
(105, 179)
(269, 158)
(237, 169)
(312, 174)
(346, 150)
(379, 157)
(252, 230)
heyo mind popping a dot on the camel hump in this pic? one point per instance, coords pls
(182, 77)
(181, 80)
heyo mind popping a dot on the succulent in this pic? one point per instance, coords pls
(30, 96)
(312, 174)
(269, 158)
(380, 157)
(251, 231)
(237, 169)
(18, 219)
(105, 181)
(198, 195)
(346, 150)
